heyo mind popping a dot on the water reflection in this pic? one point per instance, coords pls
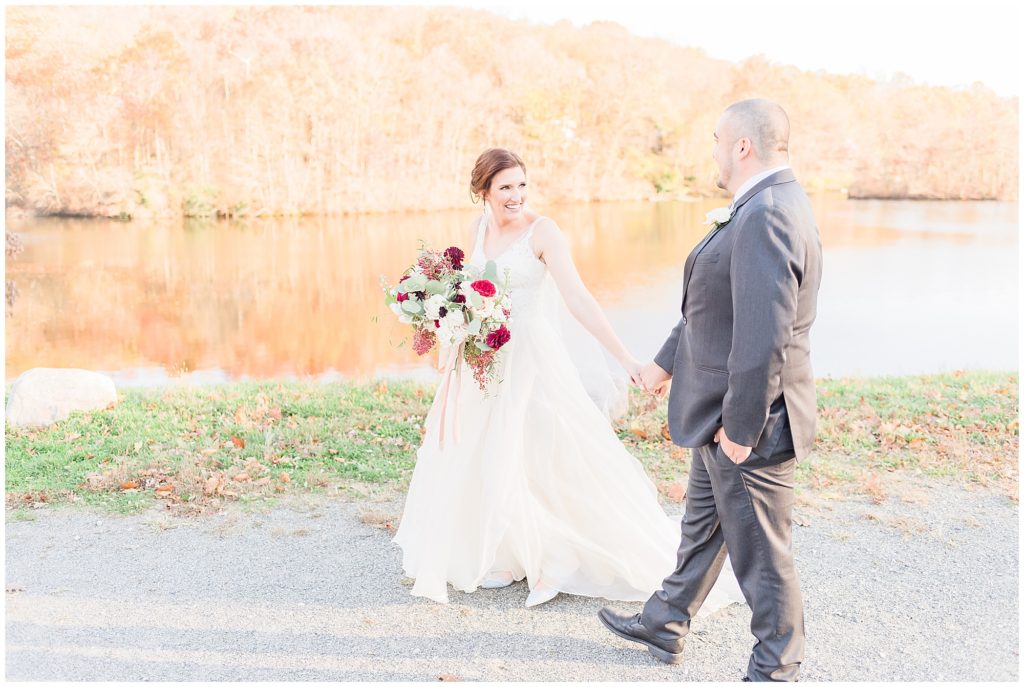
(908, 286)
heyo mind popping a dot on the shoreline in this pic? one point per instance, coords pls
(17, 213)
(198, 449)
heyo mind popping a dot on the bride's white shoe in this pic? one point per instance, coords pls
(542, 593)
(497, 580)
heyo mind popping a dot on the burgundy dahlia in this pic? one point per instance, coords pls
(499, 337)
(455, 256)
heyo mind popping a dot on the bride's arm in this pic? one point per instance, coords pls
(552, 247)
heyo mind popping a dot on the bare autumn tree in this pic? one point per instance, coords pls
(327, 110)
(12, 249)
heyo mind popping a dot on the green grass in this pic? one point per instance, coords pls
(196, 449)
(871, 431)
(233, 442)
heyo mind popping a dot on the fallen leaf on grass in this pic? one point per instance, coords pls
(665, 433)
(94, 480)
(285, 477)
(241, 477)
(214, 484)
(133, 484)
(239, 442)
(164, 489)
(674, 491)
(873, 486)
(638, 431)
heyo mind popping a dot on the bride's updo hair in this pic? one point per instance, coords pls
(489, 163)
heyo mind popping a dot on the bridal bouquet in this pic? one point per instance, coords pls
(456, 305)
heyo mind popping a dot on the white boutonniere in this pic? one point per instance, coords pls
(717, 217)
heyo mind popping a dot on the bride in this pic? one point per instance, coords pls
(537, 485)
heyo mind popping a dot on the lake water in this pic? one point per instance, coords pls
(908, 287)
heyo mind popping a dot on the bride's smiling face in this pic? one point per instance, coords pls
(507, 194)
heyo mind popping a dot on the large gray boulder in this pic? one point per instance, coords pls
(45, 395)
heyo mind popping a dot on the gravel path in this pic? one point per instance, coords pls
(918, 588)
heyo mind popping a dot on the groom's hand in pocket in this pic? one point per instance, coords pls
(736, 452)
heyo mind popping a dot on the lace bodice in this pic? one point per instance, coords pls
(527, 274)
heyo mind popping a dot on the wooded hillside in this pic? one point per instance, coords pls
(295, 110)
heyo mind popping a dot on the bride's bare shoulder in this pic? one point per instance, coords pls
(547, 236)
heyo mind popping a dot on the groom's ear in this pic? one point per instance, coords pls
(744, 147)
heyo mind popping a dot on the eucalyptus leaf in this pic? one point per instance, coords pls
(474, 327)
(483, 346)
(491, 272)
(435, 287)
(475, 299)
(412, 307)
(417, 282)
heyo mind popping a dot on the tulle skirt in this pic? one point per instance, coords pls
(533, 480)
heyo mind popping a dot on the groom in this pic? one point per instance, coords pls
(742, 398)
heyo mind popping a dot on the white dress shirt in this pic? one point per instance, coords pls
(752, 181)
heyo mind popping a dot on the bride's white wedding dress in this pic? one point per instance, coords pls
(537, 484)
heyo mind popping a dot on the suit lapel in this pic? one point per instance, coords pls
(780, 177)
(688, 267)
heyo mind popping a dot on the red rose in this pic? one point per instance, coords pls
(499, 337)
(484, 287)
(402, 297)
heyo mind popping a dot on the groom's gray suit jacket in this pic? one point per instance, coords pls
(740, 355)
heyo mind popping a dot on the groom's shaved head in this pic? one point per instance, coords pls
(764, 123)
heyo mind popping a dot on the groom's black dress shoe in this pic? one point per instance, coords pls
(629, 627)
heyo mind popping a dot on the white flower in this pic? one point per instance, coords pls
(433, 306)
(486, 310)
(453, 327)
(718, 217)
(499, 315)
(403, 317)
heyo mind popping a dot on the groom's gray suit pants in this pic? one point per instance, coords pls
(747, 509)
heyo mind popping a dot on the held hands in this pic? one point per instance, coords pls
(649, 377)
(736, 452)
